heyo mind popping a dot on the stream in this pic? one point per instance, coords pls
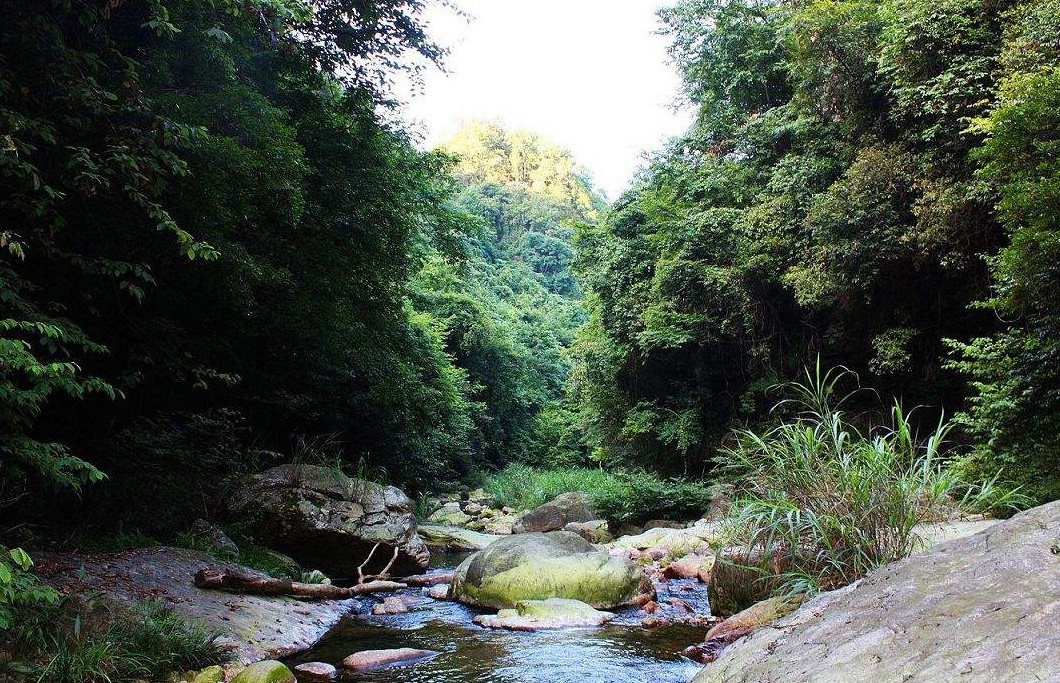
(621, 652)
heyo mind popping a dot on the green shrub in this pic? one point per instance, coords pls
(826, 502)
(622, 496)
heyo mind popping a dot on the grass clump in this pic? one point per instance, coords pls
(620, 496)
(148, 643)
(822, 502)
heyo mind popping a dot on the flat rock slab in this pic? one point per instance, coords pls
(369, 660)
(454, 538)
(259, 627)
(980, 609)
(539, 615)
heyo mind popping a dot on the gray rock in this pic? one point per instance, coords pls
(449, 514)
(368, 660)
(555, 514)
(594, 531)
(257, 626)
(221, 545)
(328, 521)
(979, 609)
(454, 538)
(315, 672)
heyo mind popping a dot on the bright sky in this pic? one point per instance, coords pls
(590, 75)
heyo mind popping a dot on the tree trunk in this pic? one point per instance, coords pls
(238, 582)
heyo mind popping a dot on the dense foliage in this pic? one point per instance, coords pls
(850, 165)
(209, 242)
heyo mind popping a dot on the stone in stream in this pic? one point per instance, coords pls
(440, 592)
(537, 566)
(537, 615)
(691, 567)
(557, 513)
(390, 605)
(268, 671)
(328, 521)
(315, 672)
(367, 660)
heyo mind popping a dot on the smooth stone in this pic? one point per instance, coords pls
(366, 660)
(691, 567)
(390, 605)
(440, 592)
(537, 615)
(316, 672)
(454, 538)
(575, 506)
(594, 531)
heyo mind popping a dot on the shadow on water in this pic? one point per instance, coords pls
(624, 652)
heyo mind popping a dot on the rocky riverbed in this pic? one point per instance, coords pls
(553, 606)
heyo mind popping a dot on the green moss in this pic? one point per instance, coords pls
(269, 671)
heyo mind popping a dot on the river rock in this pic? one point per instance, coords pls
(367, 660)
(454, 538)
(538, 615)
(440, 592)
(594, 531)
(328, 521)
(390, 605)
(315, 672)
(211, 674)
(557, 513)
(481, 497)
(691, 567)
(538, 566)
(268, 671)
(449, 514)
(676, 542)
(980, 609)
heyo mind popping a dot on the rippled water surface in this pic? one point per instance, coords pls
(621, 652)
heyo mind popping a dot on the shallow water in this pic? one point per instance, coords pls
(620, 652)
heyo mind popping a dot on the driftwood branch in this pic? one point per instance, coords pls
(239, 582)
(429, 579)
(385, 574)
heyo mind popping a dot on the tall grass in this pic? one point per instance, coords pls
(826, 502)
(620, 496)
(149, 643)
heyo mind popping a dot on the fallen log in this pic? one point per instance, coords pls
(429, 579)
(239, 582)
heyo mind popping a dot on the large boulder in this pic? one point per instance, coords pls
(978, 609)
(328, 521)
(268, 671)
(538, 566)
(557, 513)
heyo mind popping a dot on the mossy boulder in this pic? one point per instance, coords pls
(538, 566)
(211, 674)
(269, 671)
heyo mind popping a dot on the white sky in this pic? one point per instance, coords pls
(590, 75)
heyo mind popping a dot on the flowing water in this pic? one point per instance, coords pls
(621, 652)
